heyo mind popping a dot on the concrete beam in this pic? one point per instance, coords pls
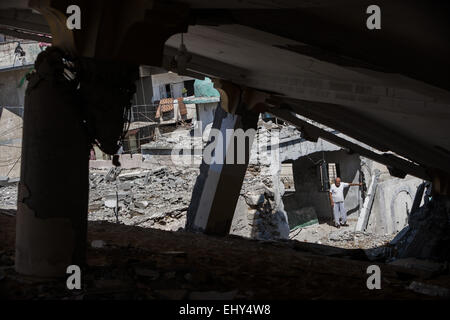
(206, 66)
(312, 131)
(366, 208)
(24, 35)
(24, 19)
(218, 186)
(112, 32)
(370, 132)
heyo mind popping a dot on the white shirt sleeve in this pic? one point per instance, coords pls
(345, 185)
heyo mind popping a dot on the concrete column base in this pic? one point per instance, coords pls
(54, 184)
(217, 188)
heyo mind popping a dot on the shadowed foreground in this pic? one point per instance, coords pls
(138, 263)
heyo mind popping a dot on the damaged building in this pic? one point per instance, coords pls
(175, 168)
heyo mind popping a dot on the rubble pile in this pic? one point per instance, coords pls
(160, 197)
(155, 198)
(428, 233)
(8, 196)
(349, 239)
(260, 212)
(344, 237)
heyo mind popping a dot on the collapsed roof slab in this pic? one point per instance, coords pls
(388, 111)
(321, 53)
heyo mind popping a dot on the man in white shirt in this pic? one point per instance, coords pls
(337, 201)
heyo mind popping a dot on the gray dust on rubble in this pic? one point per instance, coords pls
(159, 198)
(8, 196)
(156, 198)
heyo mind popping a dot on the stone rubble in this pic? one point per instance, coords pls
(8, 196)
(427, 235)
(155, 198)
(345, 237)
(160, 197)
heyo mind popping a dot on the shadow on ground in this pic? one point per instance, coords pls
(137, 263)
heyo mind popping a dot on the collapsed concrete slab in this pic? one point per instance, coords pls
(428, 233)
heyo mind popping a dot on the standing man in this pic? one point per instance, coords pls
(337, 201)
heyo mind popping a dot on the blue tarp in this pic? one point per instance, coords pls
(205, 88)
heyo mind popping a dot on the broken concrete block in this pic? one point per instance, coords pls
(141, 204)
(147, 178)
(131, 175)
(251, 214)
(95, 207)
(340, 236)
(254, 199)
(269, 192)
(134, 213)
(121, 195)
(111, 203)
(126, 186)
(335, 236)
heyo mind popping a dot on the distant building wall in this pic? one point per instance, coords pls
(144, 91)
(12, 95)
(393, 199)
(307, 183)
(174, 82)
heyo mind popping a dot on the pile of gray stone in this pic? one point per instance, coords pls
(146, 198)
(358, 239)
(428, 233)
(8, 192)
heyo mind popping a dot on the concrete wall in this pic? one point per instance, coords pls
(8, 59)
(393, 199)
(174, 79)
(307, 183)
(144, 92)
(12, 97)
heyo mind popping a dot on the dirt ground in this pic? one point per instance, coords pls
(143, 263)
(345, 237)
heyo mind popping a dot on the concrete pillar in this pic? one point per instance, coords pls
(54, 183)
(364, 214)
(218, 186)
